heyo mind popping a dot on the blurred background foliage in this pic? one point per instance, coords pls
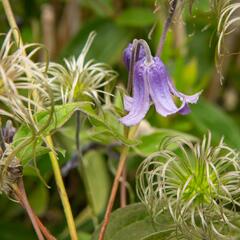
(189, 52)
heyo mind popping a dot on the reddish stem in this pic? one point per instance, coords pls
(121, 165)
(44, 230)
(36, 222)
(123, 190)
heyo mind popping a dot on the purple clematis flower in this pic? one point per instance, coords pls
(152, 83)
(127, 54)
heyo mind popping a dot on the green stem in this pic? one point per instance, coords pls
(53, 157)
(12, 21)
(123, 157)
(62, 190)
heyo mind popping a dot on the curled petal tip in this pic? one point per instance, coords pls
(184, 110)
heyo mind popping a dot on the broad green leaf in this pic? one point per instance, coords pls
(96, 180)
(84, 236)
(207, 116)
(32, 151)
(150, 143)
(61, 114)
(133, 223)
(136, 17)
(162, 235)
(106, 124)
(39, 198)
(108, 128)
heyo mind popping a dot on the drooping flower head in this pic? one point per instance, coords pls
(128, 52)
(151, 83)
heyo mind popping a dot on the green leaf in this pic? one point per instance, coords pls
(61, 114)
(136, 17)
(133, 223)
(29, 152)
(207, 116)
(39, 198)
(105, 124)
(161, 235)
(150, 143)
(84, 236)
(96, 180)
(107, 128)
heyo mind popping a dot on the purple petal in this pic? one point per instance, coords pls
(184, 109)
(187, 98)
(127, 55)
(140, 101)
(127, 102)
(159, 89)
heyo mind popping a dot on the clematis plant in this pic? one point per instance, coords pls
(151, 83)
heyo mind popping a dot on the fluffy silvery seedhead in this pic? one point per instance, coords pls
(23, 86)
(198, 185)
(79, 78)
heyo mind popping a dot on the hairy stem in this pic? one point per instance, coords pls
(62, 190)
(166, 27)
(21, 195)
(44, 230)
(122, 161)
(22, 198)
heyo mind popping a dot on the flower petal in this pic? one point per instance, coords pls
(127, 102)
(127, 55)
(140, 100)
(184, 110)
(188, 98)
(159, 89)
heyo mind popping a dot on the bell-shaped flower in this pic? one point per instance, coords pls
(127, 54)
(152, 83)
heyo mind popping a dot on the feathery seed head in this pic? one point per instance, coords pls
(79, 78)
(197, 184)
(23, 86)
